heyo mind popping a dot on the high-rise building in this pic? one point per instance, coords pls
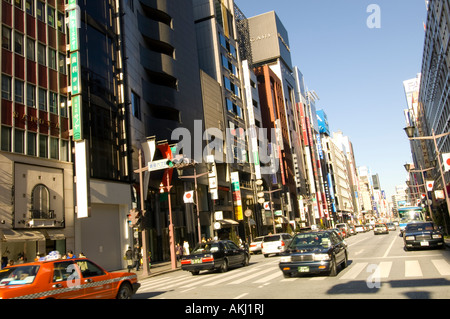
(36, 201)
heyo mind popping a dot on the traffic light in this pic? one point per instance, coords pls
(134, 217)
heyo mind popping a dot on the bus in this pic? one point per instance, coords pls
(409, 215)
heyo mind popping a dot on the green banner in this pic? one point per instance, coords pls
(77, 118)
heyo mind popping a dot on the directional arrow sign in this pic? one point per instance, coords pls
(157, 165)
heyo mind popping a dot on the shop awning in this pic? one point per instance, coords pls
(54, 234)
(228, 222)
(10, 235)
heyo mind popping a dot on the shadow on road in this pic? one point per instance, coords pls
(363, 287)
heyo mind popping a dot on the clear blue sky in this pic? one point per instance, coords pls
(357, 72)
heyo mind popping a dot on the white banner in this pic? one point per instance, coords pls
(446, 160)
(188, 197)
(430, 185)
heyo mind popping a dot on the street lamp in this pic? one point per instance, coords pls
(410, 133)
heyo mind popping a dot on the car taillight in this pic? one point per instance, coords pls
(186, 262)
(262, 245)
(282, 243)
(208, 259)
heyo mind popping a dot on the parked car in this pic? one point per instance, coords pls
(360, 228)
(391, 226)
(345, 228)
(422, 235)
(340, 232)
(255, 245)
(56, 278)
(215, 255)
(314, 252)
(380, 228)
(275, 244)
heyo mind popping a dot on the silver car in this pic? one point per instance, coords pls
(275, 244)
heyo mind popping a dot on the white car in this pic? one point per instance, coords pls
(275, 244)
(255, 245)
(360, 228)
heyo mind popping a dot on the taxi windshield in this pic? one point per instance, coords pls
(310, 240)
(21, 275)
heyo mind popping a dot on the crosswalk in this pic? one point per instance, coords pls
(268, 272)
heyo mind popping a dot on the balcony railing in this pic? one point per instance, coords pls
(38, 214)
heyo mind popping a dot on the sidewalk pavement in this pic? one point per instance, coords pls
(156, 269)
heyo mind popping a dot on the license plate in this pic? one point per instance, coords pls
(424, 243)
(196, 261)
(303, 269)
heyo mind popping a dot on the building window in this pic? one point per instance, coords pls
(42, 99)
(6, 139)
(62, 63)
(53, 103)
(18, 4)
(61, 25)
(54, 148)
(63, 106)
(40, 10)
(31, 95)
(43, 146)
(135, 105)
(64, 151)
(18, 43)
(41, 54)
(29, 7)
(31, 144)
(19, 137)
(6, 87)
(6, 38)
(18, 91)
(40, 201)
(51, 16)
(31, 49)
(52, 59)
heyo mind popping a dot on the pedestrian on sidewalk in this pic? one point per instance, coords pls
(137, 257)
(129, 258)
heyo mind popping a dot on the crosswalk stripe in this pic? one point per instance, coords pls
(231, 276)
(385, 268)
(269, 277)
(412, 268)
(236, 282)
(353, 271)
(442, 266)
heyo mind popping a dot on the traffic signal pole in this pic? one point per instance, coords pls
(145, 266)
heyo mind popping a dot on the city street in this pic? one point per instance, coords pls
(378, 268)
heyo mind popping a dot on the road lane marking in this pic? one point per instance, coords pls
(231, 276)
(442, 266)
(240, 296)
(353, 271)
(412, 268)
(390, 246)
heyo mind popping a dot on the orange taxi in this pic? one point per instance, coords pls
(55, 278)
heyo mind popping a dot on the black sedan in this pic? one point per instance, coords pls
(314, 252)
(422, 235)
(215, 255)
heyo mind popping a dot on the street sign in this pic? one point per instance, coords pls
(157, 165)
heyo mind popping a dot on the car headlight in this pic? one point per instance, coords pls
(285, 259)
(437, 236)
(321, 257)
(409, 237)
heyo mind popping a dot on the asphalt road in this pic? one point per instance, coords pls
(378, 268)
